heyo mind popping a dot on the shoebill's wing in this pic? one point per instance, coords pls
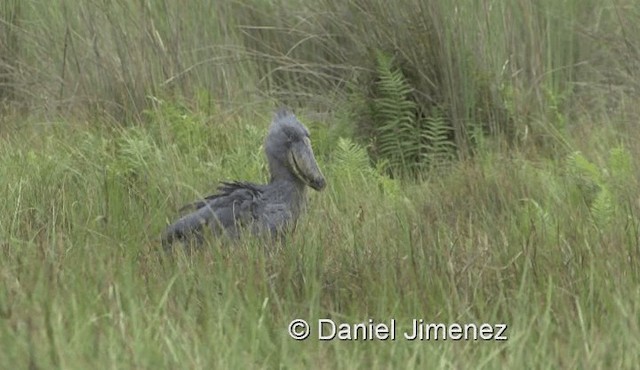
(232, 207)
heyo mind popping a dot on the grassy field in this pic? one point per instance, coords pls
(104, 135)
(498, 239)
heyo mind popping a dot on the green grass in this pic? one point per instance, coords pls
(115, 114)
(498, 239)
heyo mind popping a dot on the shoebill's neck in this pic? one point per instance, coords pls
(291, 189)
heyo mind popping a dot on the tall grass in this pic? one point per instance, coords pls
(466, 56)
(537, 230)
(498, 239)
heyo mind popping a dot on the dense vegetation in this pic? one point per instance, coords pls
(481, 167)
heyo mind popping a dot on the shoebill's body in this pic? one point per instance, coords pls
(265, 209)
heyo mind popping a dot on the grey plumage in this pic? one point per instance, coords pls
(262, 208)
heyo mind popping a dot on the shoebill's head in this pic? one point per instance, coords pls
(289, 152)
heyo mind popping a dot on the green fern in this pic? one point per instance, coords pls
(352, 159)
(436, 133)
(620, 161)
(603, 208)
(603, 188)
(351, 156)
(581, 167)
(404, 138)
(396, 135)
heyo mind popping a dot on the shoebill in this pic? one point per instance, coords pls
(265, 209)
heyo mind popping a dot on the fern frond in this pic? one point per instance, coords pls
(404, 138)
(351, 155)
(436, 133)
(394, 113)
(581, 167)
(603, 208)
